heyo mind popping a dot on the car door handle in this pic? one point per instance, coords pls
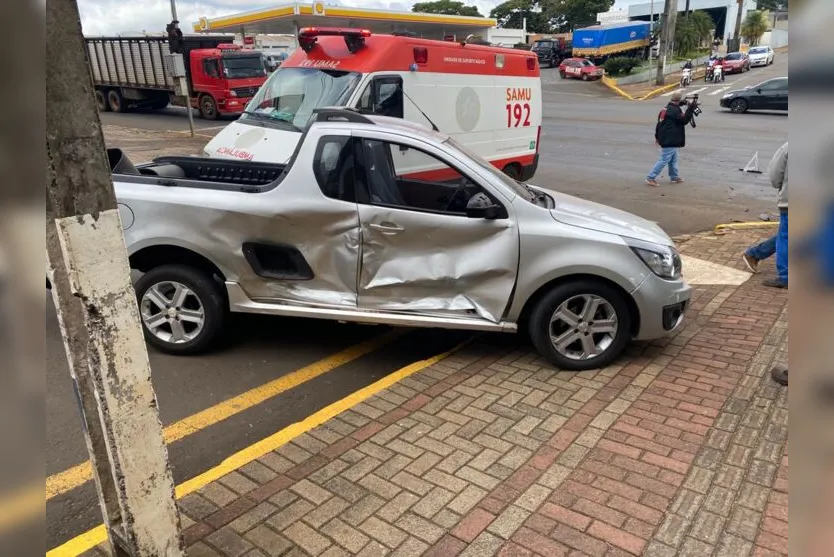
(387, 228)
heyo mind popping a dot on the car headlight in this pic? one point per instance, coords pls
(664, 261)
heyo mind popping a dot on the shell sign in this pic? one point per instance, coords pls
(318, 8)
(203, 23)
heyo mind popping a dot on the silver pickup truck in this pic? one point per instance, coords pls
(377, 220)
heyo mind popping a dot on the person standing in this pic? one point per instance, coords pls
(670, 135)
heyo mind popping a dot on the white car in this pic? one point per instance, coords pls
(761, 56)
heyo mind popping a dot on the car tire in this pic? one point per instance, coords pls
(585, 77)
(197, 320)
(116, 101)
(738, 106)
(208, 107)
(562, 74)
(101, 102)
(576, 296)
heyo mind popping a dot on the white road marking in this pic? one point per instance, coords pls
(699, 271)
(697, 90)
(670, 93)
(719, 90)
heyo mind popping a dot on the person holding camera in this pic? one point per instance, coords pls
(670, 136)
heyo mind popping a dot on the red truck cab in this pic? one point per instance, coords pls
(224, 79)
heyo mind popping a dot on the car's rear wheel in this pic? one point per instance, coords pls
(738, 106)
(581, 325)
(181, 308)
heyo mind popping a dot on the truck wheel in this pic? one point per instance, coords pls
(101, 102)
(208, 108)
(182, 309)
(116, 101)
(581, 325)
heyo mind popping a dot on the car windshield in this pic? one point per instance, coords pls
(517, 188)
(759, 50)
(733, 56)
(290, 95)
(243, 66)
(543, 44)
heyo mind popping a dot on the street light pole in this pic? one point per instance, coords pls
(183, 80)
(651, 28)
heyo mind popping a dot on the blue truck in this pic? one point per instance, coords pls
(598, 42)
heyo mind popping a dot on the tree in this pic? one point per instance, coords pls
(703, 24)
(511, 15)
(686, 36)
(567, 15)
(754, 26)
(446, 7)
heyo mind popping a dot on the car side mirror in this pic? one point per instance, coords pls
(480, 206)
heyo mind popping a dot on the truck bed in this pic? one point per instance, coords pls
(200, 172)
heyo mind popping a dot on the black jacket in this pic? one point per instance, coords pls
(671, 125)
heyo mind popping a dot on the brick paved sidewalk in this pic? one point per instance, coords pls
(680, 449)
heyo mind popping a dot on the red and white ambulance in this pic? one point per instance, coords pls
(487, 98)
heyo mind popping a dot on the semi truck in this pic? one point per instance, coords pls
(630, 38)
(139, 73)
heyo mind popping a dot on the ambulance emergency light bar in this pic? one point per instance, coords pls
(354, 38)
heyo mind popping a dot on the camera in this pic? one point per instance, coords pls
(696, 107)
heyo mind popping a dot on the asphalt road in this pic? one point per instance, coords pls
(594, 145)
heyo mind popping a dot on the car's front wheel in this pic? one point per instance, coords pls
(181, 308)
(738, 106)
(581, 325)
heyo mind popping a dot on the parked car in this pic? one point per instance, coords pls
(736, 62)
(768, 95)
(760, 56)
(580, 68)
(342, 233)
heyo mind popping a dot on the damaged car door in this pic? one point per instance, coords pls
(434, 241)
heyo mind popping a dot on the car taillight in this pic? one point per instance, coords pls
(531, 63)
(421, 55)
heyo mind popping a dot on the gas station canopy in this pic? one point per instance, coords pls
(289, 18)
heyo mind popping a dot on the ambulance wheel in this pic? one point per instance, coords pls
(208, 108)
(116, 101)
(101, 102)
(513, 171)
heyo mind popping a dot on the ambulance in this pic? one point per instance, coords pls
(487, 98)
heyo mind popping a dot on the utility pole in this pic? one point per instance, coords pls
(97, 311)
(667, 37)
(651, 29)
(736, 44)
(183, 80)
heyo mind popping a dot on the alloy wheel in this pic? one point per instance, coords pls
(172, 312)
(583, 327)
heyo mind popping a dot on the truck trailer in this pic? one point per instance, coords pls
(598, 42)
(138, 73)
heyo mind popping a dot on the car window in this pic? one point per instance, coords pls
(383, 96)
(733, 56)
(586, 63)
(333, 166)
(408, 178)
(774, 85)
(761, 50)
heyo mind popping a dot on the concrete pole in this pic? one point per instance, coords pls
(667, 38)
(651, 28)
(183, 80)
(97, 311)
(737, 34)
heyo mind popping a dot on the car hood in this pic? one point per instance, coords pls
(581, 213)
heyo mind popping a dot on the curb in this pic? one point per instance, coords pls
(611, 83)
(746, 225)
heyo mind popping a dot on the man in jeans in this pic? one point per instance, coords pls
(778, 172)
(670, 135)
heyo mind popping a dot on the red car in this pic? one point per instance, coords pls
(579, 68)
(736, 62)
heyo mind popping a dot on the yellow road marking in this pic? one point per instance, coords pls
(78, 475)
(745, 225)
(97, 535)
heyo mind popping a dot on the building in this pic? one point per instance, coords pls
(288, 18)
(723, 12)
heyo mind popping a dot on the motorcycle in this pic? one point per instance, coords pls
(686, 77)
(717, 74)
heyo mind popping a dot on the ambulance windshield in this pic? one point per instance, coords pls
(290, 95)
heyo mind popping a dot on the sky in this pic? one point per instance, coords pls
(106, 17)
